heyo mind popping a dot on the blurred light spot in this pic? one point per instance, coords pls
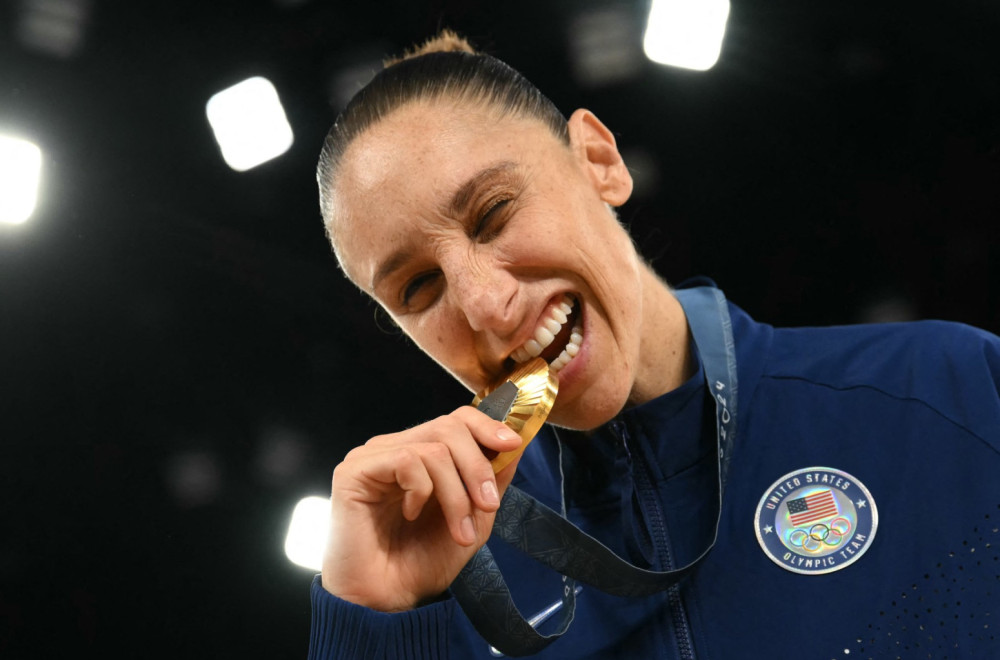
(20, 171)
(307, 532)
(349, 79)
(887, 308)
(602, 47)
(249, 123)
(194, 478)
(55, 27)
(645, 170)
(281, 455)
(686, 33)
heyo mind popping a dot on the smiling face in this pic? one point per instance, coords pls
(477, 232)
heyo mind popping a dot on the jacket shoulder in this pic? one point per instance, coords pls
(952, 367)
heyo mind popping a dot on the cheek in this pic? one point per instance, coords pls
(442, 339)
(539, 237)
(614, 266)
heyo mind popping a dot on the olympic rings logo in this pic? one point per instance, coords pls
(821, 537)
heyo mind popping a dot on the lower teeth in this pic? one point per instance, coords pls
(568, 353)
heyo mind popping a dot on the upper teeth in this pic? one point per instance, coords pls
(546, 333)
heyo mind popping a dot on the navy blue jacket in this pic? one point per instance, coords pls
(912, 411)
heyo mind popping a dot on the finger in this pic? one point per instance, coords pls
(484, 430)
(473, 439)
(368, 476)
(487, 431)
(472, 463)
(450, 491)
(416, 482)
(508, 450)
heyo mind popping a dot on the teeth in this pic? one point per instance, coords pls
(546, 333)
(572, 348)
(543, 336)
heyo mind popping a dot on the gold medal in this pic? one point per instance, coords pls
(536, 388)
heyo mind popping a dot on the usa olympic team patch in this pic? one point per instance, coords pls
(816, 520)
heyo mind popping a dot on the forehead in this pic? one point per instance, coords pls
(399, 176)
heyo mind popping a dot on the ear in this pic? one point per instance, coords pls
(594, 148)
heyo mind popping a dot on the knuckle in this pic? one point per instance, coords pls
(340, 472)
(405, 455)
(353, 454)
(471, 417)
(437, 451)
(377, 440)
(450, 423)
(445, 429)
(465, 413)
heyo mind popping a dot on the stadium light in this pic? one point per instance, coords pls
(249, 123)
(686, 33)
(20, 171)
(53, 27)
(307, 532)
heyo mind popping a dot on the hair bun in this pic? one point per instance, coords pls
(445, 41)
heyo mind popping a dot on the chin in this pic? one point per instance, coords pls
(581, 415)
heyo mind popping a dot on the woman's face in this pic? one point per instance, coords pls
(472, 229)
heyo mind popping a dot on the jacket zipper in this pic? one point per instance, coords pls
(661, 539)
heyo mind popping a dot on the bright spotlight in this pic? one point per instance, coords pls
(20, 170)
(249, 123)
(686, 33)
(307, 532)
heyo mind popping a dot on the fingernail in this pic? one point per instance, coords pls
(490, 494)
(468, 529)
(507, 434)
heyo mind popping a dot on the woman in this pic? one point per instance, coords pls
(460, 199)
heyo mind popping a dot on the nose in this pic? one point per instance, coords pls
(483, 291)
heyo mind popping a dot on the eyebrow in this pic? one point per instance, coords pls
(463, 196)
(456, 206)
(398, 258)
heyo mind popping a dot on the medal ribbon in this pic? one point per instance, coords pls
(551, 539)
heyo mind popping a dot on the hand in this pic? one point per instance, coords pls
(409, 509)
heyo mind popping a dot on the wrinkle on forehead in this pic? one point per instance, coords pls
(412, 163)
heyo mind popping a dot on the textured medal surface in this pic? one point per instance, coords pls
(536, 386)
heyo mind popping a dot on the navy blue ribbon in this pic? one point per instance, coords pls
(551, 539)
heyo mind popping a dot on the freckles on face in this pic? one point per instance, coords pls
(466, 227)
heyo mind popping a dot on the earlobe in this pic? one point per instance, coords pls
(595, 149)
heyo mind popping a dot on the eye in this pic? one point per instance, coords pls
(487, 227)
(417, 291)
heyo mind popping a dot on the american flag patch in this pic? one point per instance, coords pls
(811, 508)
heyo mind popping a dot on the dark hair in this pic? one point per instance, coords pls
(432, 74)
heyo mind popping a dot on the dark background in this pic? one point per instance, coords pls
(181, 361)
